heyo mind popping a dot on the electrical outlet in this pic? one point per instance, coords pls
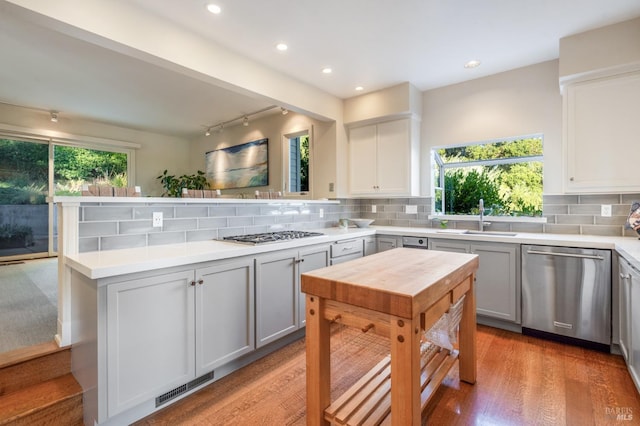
(411, 209)
(321, 213)
(157, 219)
(605, 210)
(373, 208)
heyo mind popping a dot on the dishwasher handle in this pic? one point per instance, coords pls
(576, 255)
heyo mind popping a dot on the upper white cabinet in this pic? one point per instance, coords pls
(601, 128)
(383, 158)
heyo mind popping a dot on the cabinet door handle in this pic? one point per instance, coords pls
(192, 283)
(200, 281)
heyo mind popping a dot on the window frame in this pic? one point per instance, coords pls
(286, 160)
(437, 163)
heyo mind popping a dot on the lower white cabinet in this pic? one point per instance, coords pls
(370, 245)
(346, 250)
(225, 314)
(311, 258)
(150, 338)
(630, 319)
(497, 278)
(168, 329)
(387, 242)
(279, 302)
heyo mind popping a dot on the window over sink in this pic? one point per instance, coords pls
(505, 173)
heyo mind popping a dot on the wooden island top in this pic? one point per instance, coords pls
(402, 282)
(398, 294)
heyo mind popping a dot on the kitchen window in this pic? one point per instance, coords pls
(297, 160)
(506, 174)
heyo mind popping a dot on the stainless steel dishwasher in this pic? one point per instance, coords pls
(566, 295)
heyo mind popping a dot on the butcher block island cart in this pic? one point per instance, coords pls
(399, 294)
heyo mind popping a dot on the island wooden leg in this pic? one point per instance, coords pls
(318, 354)
(467, 336)
(405, 371)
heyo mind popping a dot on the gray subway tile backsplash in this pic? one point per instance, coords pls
(120, 226)
(166, 238)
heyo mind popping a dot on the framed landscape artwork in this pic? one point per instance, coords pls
(239, 166)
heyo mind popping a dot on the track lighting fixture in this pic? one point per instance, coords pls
(244, 118)
(54, 117)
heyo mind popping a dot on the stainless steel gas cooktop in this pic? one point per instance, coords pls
(271, 237)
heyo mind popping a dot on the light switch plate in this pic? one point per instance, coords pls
(157, 219)
(411, 209)
(374, 209)
(605, 210)
(321, 211)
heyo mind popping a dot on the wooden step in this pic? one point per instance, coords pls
(57, 401)
(25, 367)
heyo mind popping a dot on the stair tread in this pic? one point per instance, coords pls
(33, 398)
(17, 356)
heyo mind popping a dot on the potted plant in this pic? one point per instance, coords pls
(173, 185)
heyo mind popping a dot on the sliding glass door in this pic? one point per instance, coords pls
(24, 212)
(30, 170)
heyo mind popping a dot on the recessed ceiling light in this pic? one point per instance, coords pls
(359, 88)
(472, 64)
(214, 8)
(281, 47)
(327, 70)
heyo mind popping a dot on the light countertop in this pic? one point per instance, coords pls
(117, 262)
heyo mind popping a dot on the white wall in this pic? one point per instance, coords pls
(274, 127)
(520, 102)
(156, 151)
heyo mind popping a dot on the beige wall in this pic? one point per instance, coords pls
(275, 127)
(156, 151)
(604, 48)
(521, 102)
(400, 100)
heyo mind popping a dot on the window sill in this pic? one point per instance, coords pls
(476, 218)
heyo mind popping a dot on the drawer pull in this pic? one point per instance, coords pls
(563, 325)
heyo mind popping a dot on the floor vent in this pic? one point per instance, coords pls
(166, 397)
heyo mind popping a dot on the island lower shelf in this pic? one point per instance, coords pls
(368, 401)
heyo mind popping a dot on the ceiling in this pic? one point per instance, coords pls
(368, 43)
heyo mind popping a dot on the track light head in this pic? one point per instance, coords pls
(208, 132)
(284, 111)
(245, 121)
(54, 116)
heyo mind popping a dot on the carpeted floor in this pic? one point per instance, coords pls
(28, 303)
(276, 381)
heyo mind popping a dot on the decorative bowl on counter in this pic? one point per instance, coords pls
(362, 223)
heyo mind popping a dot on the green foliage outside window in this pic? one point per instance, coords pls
(506, 175)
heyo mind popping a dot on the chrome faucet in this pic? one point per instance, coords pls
(481, 209)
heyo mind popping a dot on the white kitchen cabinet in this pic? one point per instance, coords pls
(600, 128)
(370, 245)
(165, 330)
(279, 301)
(150, 338)
(346, 250)
(387, 242)
(497, 278)
(311, 258)
(276, 296)
(630, 319)
(383, 159)
(224, 314)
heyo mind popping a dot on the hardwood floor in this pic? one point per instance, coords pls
(521, 381)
